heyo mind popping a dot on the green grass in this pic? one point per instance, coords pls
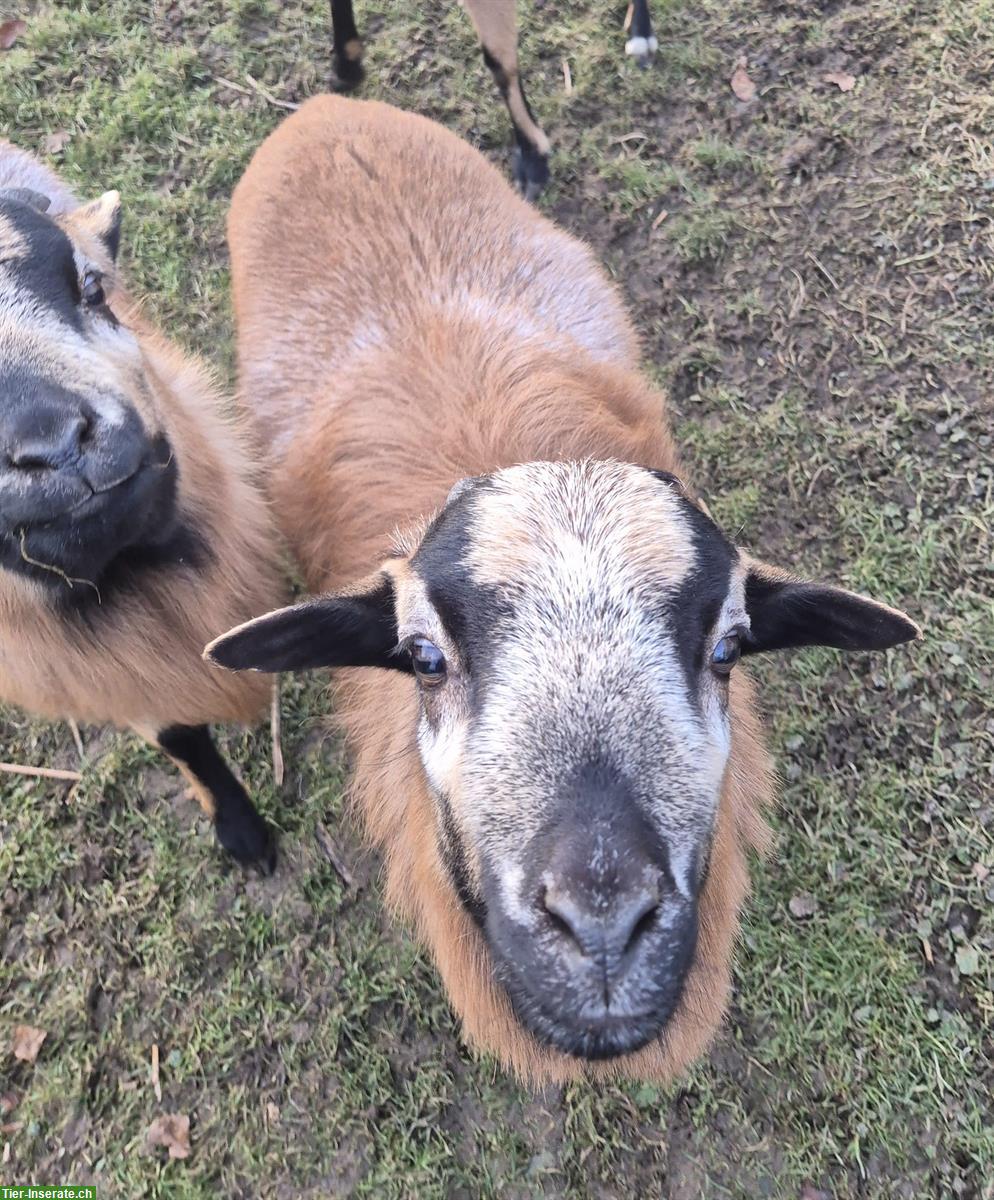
(817, 299)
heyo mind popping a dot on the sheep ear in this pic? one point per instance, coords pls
(102, 218)
(358, 629)
(784, 612)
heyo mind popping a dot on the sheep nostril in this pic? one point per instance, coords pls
(644, 920)
(86, 430)
(566, 918)
(613, 929)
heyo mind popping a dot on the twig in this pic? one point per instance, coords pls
(814, 479)
(917, 258)
(567, 77)
(34, 562)
(287, 104)
(276, 730)
(41, 772)
(333, 855)
(235, 87)
(74, 729)
(798, 301)
(824, 270)
(256, 89)
(156, 1086)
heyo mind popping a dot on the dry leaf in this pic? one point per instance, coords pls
(10, 31)
(55, 143)
(742, 85)
(8, 1102)
(812, 1193)
(968, 960)
(803, 905)
(27, 1042)
(842, 80)
(171, 1131)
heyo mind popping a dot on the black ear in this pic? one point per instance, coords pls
(354, 630)
(785, 612)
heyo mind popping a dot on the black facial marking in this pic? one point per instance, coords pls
(471, 612)
(693, 608)
(454, 860)
(670, 478)
(111, 236)
(46, 270)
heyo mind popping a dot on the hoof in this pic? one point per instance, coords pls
(531, 172)
(642, 50)
(249, 841)
(349, 73)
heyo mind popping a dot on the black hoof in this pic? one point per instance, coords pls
(349, 73)
(531, 172)
(249, 840)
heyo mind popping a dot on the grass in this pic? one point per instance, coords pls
(817, 302)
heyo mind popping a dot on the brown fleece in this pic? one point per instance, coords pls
(388, 349)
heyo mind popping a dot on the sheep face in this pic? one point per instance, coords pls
(571, 628)
(559, 619)
(86, 473)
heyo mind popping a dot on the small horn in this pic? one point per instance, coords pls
(27, 196)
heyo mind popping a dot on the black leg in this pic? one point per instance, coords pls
(531, 155)
(641, 44)
(239, 828)
(346, 46)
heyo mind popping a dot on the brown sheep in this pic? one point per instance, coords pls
(559, 763)
(130, 528)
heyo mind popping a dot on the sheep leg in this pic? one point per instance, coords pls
(346, 47)
(239, 828)
(497, 26)
(641, 44)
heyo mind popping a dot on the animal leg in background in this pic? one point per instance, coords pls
(346, 47)
(239, 828)
(641, 44)
(497, 26)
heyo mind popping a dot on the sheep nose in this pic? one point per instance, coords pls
(57, 452)
(49, 440)
(601, 926)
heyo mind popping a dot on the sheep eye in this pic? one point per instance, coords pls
(726, 654)
(428, 662)
(92, 290)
